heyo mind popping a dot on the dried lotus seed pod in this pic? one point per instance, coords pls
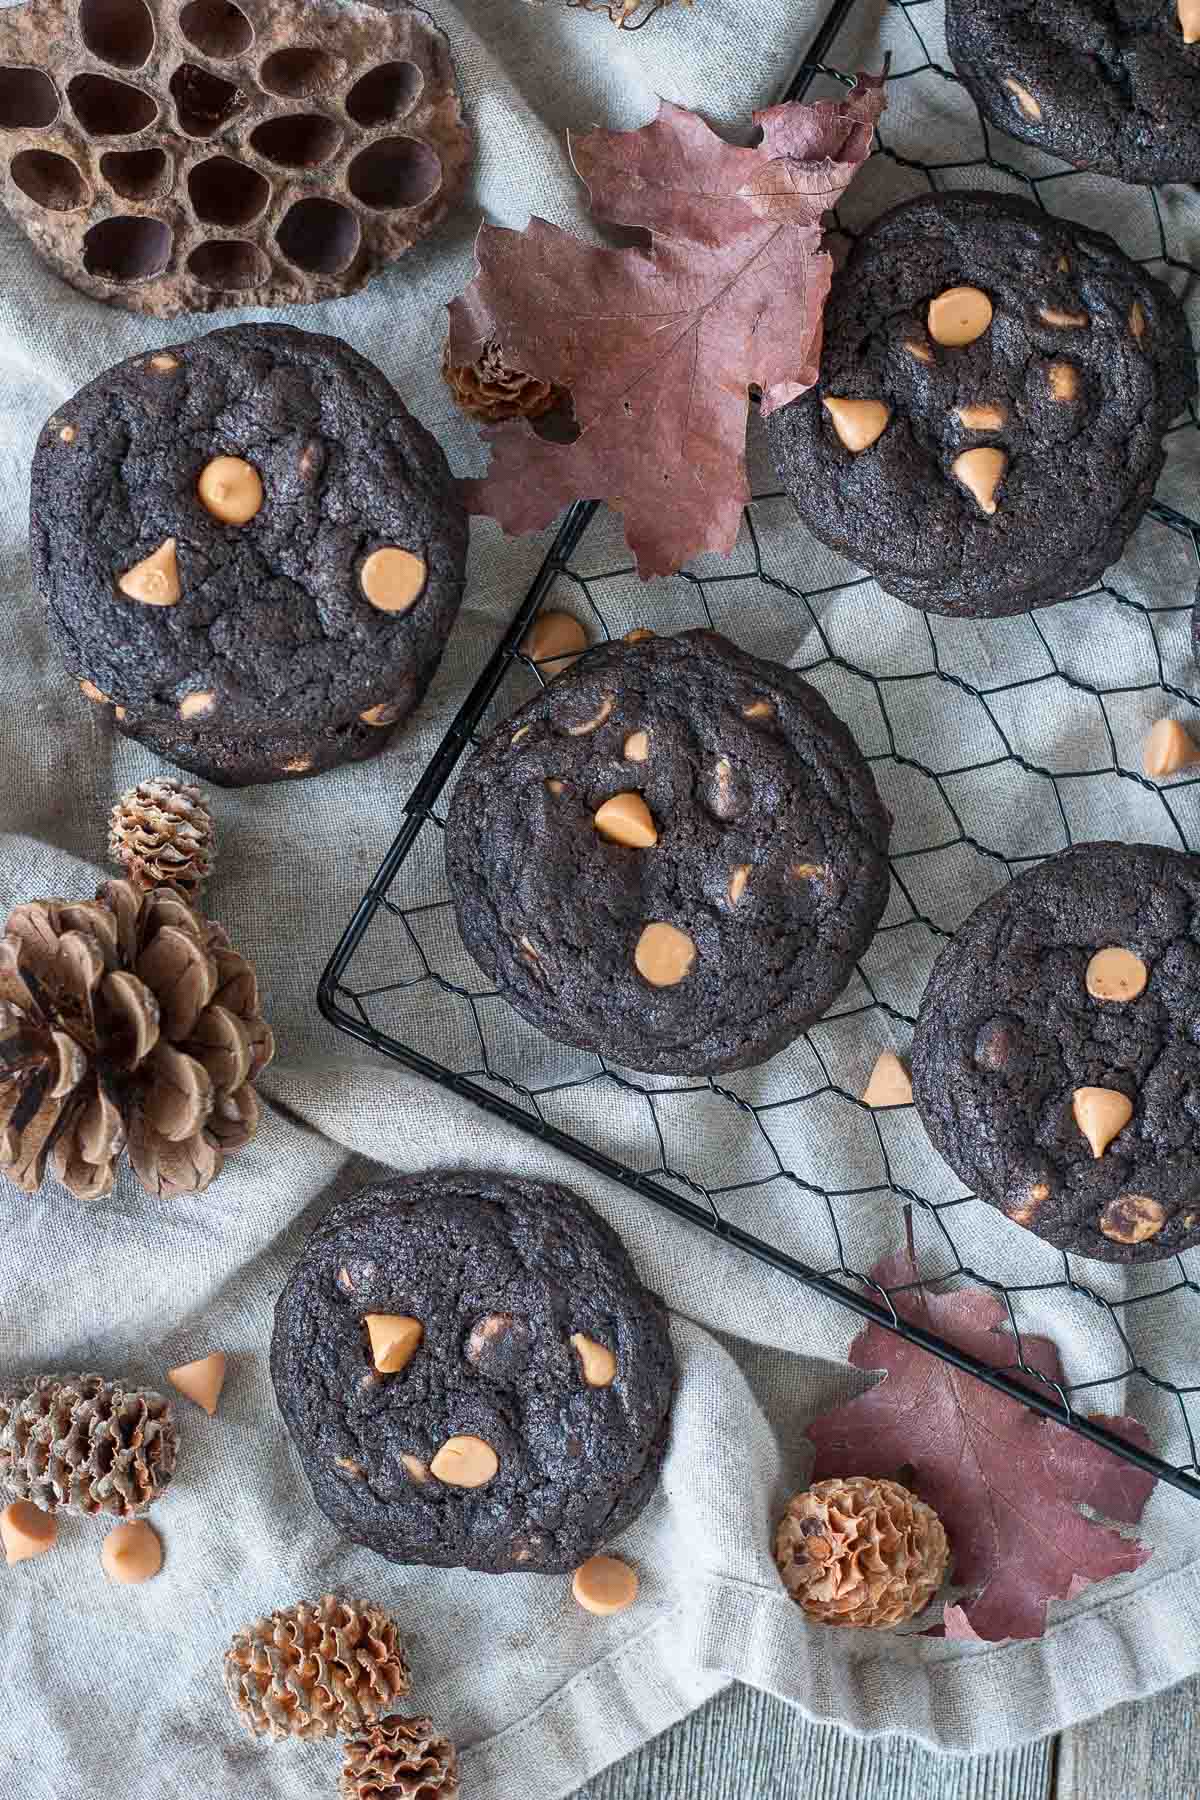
(179, 158)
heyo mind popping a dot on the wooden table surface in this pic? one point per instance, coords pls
(747, 1746)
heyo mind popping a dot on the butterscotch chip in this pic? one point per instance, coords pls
(231, 490)
(1064, 319)
(1189, 20)
(68, 434)
(605, 1585)
(201, 1381)
(466, 1462)
(1064, 380)
(806, 871)
(529, 950)
(385, 714)
(1168, 750)
(1116, 974)
(418, 1470)
(637, 746)
(920, 352)
(1101, 1114)
(299, 765)
(626, 819)
(118, 712)
(553, 642)
(90, 691)
(392, 579)
(739, 875)
(395, 1340)
(981, 472)
(1028, 103)
(132, 1553)
(890, 1083)
(163, 364)
(982, 417)
(197, 705)
(858, 423)
(1137, 320)
(349, 1467)
(602, 712)
(664, 956)
(155, 580)
(522, 731)
(959, 316)
(1133, 1219)
(759, 709)
(597, 1362)
(639, 635)
(26, 1531)
(555, 786)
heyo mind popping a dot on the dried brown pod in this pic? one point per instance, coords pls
(127, 1021)
(854, 1551)
(626, 15)
(399, 1759)
(312, 1671)
(182, 157)
(161, 834)
(488, 390)
(80, 1444)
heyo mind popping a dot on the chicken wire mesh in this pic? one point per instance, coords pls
(994, 744)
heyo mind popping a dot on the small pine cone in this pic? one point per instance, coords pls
(859, 1552)
(399, 1759)
(489, 390)
(161, 834)
(314, 1671)
(80, 1444)
(125, 1021)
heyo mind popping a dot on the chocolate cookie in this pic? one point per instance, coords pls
(672, 856)
(249, 550)
(1055, 1063)
(1112, 85)
(472, 1373)
(995, 385)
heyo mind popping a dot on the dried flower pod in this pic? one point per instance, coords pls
(127, 1020)
(855, 1551)
(399, 1759)
(624, 14)
(489, 390)
(161, 834)
(80, 1444)
(312, 1671)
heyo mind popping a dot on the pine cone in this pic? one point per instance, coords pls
(861, 1552)
(80, 1444)
(399, 1759)
(161, 834)
(490, 391)
(312, 1671)
(127, 1019)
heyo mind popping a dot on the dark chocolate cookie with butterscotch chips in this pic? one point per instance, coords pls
(673, 856)
(249, 550)
(995, 385)
(1110, 85)
(473, 1374)
(1056, 1063)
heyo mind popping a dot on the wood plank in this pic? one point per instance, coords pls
(1140, 1751)
(746, 1745)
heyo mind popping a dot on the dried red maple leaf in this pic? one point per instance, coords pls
(660, 347)
(1007, 1484)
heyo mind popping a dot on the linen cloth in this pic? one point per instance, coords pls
(117, 1691)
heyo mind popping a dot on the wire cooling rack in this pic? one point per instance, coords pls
(911, 686)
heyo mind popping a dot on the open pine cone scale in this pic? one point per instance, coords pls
(125, 1021)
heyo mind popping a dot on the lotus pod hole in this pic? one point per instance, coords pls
(319, 235)
(106, 107)
(299, 71)
(397, 171)
(137, 174)
(127, 248)
(117, 31)
(383, 95)
(28, 100)
(228, 264)
(216, 28)
(227, 193)
(297, 140)
(49, 180)
(204, 102)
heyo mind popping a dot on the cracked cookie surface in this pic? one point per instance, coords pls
(1056, 1064)
(529, 1419)
(673, 856)
(995, 385)
(249, 550)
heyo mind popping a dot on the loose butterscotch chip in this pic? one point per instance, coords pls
(1132, 1219)
(393, 579)
(739, 875)
(26, 1531)
(132, 1553)
(597, 1362)
(1116, 974)
(155, 580)
(1064, 380)
(759, 709)
(554, 642)
(981, 472)
(555, 786)
(1028, 103)
(385, 714)
(603, 711)
(664, 955)
(982, 417)
(163, 364)
(1066, 321)
(858, 423)
(90, 691)
(395, 1340)
(418, 1471)
(198, 704)
(639, 635)
(1168, 750)
(201, 1381)
(604, 1585)
(231, 489)
(959, 316)
(890, 1083)
(68, 434)
(1101, 1114)
(466, 1462)
(1137, 320)
(626, 819)
(920, 352)
(1189, 20)
(637, 746)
